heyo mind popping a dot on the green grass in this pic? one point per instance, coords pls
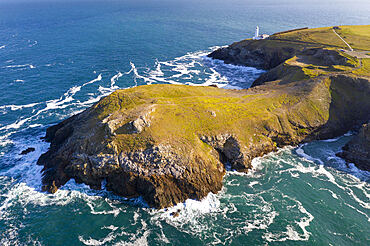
(357, 36)
(182, 113)
(365, 70)
(319, 36)
(303, 66)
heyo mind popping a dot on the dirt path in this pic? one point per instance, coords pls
(349, 46)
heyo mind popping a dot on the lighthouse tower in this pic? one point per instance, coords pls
(256, 35)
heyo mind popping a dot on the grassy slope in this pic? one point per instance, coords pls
(357, 36)
(365, 69)
(183, 113)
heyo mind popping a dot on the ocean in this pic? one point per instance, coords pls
(59, 57)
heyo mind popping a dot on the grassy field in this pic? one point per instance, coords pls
(322, 36)
(357, 36)
(182, 113)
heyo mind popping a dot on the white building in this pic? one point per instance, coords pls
(257, 35)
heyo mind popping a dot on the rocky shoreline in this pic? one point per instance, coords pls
(169, 143)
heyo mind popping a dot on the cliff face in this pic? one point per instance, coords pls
(358, 149)
(168, 143)
(264, 54)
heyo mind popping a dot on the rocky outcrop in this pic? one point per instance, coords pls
(85, 148)
(234, 153)
(27, 151)
(357, 150)
(253, 53)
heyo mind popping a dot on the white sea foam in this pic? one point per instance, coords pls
(188, 213)
(2, 47)
(32, 43)
(18, 107)
(114, 210)
(331, 192)
(66, 100)
(92, 241)
(253, 183)
(331, 140)
(99, 78)
(345, 182)
(348, 134)
(4, 140)
(114, 79)
(20, 66)
(138, 238)
(142, 241)
(301, 152)
(35, 125)
(291, 233)
(191, 209)
(196, 66)
(157, 71)
(138, 76)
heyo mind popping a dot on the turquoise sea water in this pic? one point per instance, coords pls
(59, 57)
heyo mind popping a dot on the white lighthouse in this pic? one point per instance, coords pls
(256, 35)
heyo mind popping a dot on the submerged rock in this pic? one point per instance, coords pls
(28, 150)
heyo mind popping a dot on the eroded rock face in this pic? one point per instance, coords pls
(357, 150)
(114, 122)
(236, 154)
(253, 55)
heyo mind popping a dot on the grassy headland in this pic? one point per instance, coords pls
(168, 143)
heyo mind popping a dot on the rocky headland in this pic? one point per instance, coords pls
(168, 143)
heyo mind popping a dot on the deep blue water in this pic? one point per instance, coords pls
(59, 57)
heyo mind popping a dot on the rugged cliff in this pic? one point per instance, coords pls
(358, 149)
(168, 143)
